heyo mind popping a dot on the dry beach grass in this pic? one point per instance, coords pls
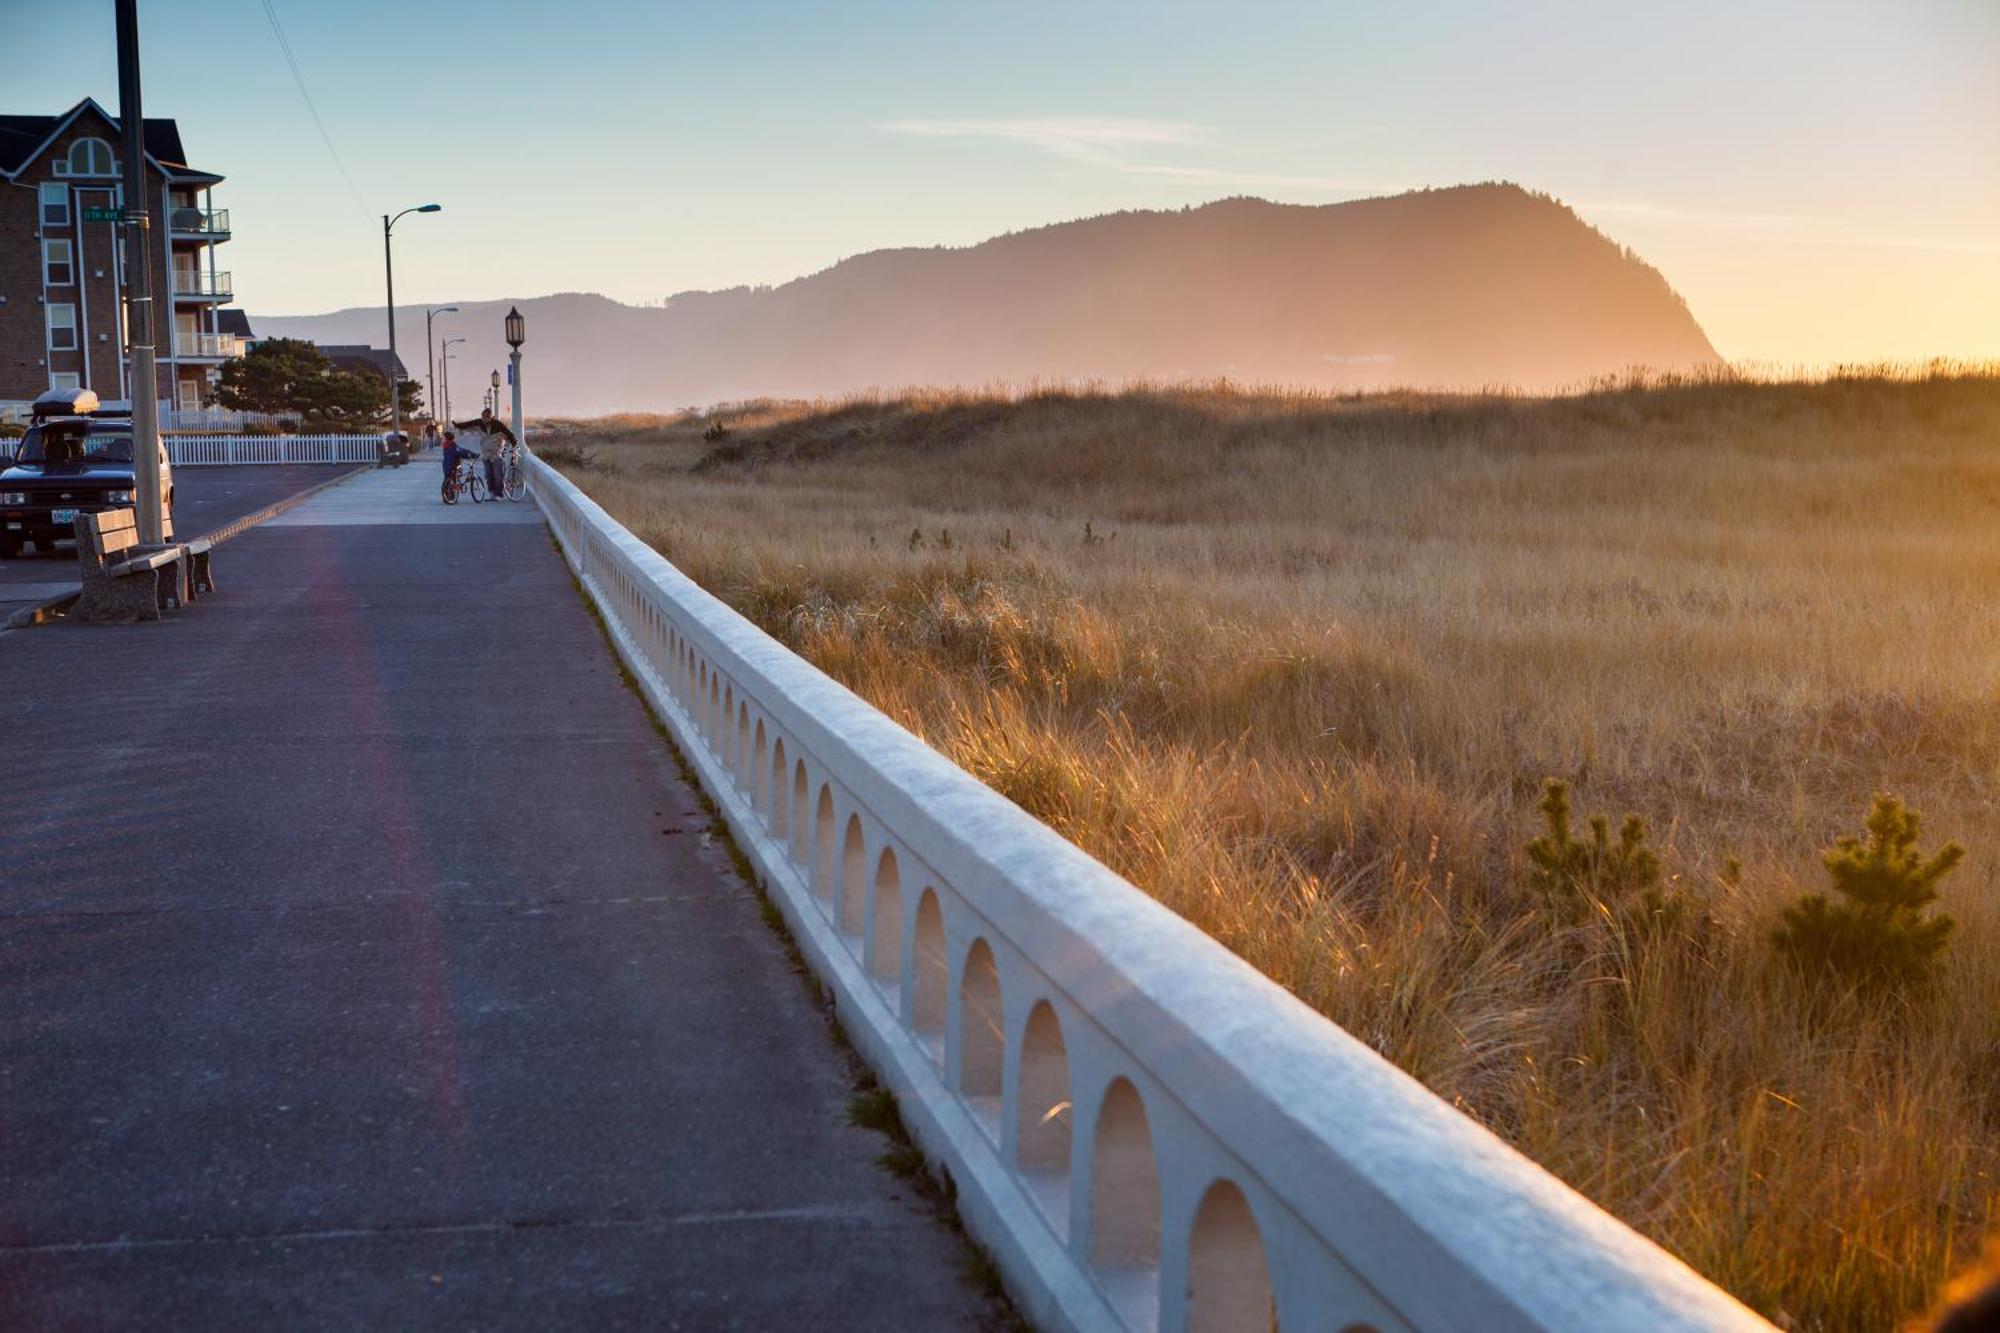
(1297, 665)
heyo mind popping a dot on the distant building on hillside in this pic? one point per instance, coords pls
(62, 274)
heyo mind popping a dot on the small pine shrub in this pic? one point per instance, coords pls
(1580, 879)
(1876, 932)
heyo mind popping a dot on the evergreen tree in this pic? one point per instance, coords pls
(1877, 930)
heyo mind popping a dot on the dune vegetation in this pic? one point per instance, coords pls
(1299, 665)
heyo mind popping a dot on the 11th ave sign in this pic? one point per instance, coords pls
(103, 215)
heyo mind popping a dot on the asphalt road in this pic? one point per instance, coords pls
(205, 498)
(365, 962)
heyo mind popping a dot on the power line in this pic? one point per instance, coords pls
(298, 77)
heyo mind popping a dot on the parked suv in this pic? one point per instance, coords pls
(76, 458)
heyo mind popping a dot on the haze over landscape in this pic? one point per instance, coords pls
(1462, 288)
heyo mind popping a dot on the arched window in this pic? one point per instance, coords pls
(91, 157)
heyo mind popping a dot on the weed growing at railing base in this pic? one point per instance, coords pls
(1307, 699)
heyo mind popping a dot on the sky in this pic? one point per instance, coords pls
(1819, 178)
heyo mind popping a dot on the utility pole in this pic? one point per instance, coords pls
(139, 283)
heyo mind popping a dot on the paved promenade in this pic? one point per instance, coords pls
(205, 498)
(364, 963)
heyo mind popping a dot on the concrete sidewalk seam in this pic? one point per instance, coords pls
(818, 1215)
(444, 904)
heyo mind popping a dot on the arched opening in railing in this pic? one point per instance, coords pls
(1043, 1127)
(801, 827)
(930, 989)
(781, 791)
(885, 946)
(1229, 1276)
(759, 775)
(740, 759)
(853, 878)
(982, 1039)
(725, 731)
(714, 720)
(1124, 1185)
(824, 872)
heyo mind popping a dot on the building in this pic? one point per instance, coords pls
(364, 360)
(62, 263)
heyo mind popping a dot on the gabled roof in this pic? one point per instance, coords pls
(359, 356)
(22, 139)
(233, 321)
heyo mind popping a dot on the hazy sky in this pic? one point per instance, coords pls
(1820, 178)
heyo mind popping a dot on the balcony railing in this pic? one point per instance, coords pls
(209, 222)
(194, 283)
(221, 345)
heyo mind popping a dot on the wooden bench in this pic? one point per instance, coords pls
(123, 580)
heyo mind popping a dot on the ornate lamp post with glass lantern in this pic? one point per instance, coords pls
(517, 333)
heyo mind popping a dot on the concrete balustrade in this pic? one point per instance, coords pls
(1145, 1132)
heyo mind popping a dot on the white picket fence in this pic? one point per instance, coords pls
(1149, 1136)
(218, 450)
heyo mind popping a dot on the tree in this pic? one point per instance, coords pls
(280, 376)
(342, 400)
(1620, 881)
(1877, 930)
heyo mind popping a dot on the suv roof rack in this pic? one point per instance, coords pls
(64, 403)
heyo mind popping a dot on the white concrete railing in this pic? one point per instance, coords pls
(200, 450)
(1144, 1131)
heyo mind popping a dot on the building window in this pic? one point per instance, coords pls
(91, 157)
(62, 328)
(55, 204)
(57, 266)
(66, 379)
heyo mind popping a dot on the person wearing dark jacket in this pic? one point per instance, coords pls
(495, 432)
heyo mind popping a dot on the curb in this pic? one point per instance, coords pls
(44, 612)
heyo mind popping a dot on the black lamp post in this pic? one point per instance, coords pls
(389, 277)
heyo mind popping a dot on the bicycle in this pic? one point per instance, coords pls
(466, 479)
(515, 475)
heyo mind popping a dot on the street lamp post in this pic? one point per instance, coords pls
(517, 333)
(445, 359)
(493, 399)
(389, 276)
(430, 356)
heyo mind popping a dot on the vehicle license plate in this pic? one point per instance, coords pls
(62, 516)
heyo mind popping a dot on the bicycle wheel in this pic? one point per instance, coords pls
(448, 492)
(478, 488)
(517, 481)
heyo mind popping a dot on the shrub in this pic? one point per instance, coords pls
(1598, 876)
(1876, 931)
(565, 456)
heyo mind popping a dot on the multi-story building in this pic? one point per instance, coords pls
(62, 261)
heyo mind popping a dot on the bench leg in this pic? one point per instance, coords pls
(172, 587)
(201, 577)
(121, 601)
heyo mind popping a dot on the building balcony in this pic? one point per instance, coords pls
(202, 286)
(199, 224)
(207, 346)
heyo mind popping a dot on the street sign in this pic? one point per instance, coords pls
(510, 372)
(103, 215)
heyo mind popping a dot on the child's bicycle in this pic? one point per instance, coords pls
(465, 479)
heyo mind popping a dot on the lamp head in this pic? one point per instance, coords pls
(429, 208)
(496, 379)
(517, 328)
